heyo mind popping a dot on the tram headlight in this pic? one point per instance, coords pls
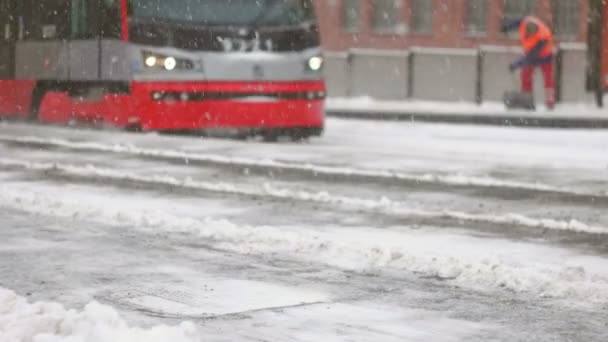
(315, 63)
(156, 61)
(170, 63)
(151, 61)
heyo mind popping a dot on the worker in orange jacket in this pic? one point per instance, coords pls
(537, 42)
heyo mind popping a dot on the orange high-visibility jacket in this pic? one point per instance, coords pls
(528, 42)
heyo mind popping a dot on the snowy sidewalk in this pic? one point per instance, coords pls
(581, 115)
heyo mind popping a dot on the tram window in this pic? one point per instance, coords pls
(46, 19)
(5, 50)
(110, 19)
(84, 19)
(95, 18)
(5, 25)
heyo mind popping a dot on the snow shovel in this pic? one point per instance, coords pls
(514, 99)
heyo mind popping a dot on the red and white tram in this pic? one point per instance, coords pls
(164, 64)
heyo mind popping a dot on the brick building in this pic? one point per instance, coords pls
(388, 49)
(399, 24)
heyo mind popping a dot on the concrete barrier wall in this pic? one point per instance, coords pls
(337, 74)
(495, 75)
(444, 74)
(574, 60)
(379, 75)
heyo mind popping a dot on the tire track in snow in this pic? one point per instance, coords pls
(345, 248)
(382, 205)
(306, 169)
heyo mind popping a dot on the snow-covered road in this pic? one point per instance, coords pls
(378, 231)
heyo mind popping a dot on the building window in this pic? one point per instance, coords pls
(476, 17)
(387, 16)
(520, 8)
(351, 15)
(422, 16)
(566, 16)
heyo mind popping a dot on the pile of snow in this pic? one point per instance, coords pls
(472, 262)
(21, 321)
(383, 205)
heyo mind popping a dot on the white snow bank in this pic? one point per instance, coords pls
(368, 104)
(21, 321)
(383, 204)
(429, 178)
(472, 262)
